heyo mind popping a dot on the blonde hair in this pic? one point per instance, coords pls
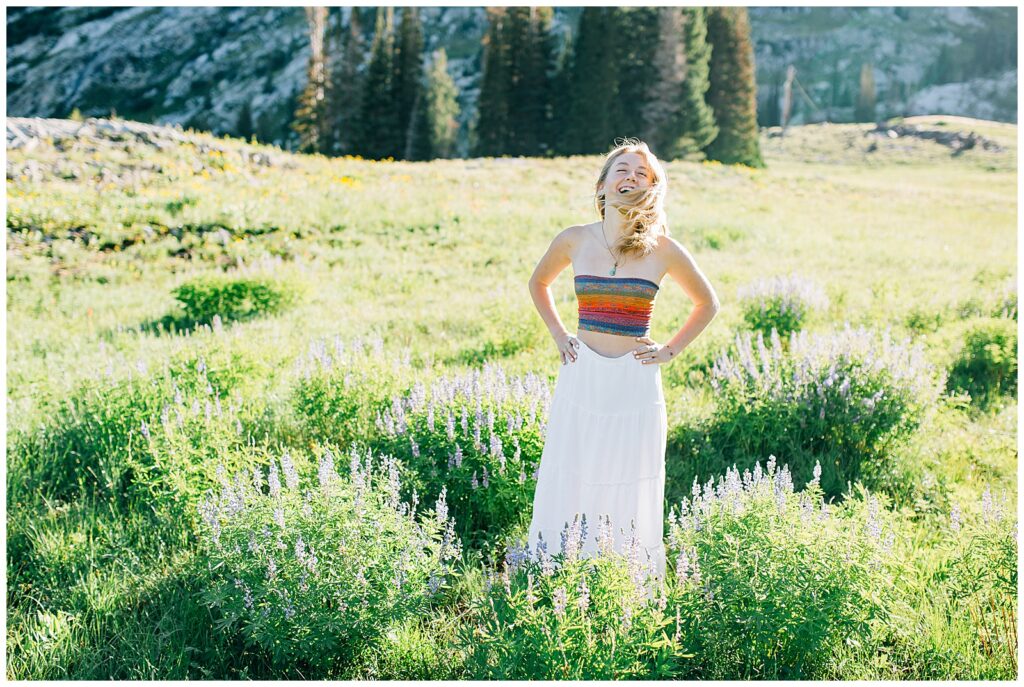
(643, 209)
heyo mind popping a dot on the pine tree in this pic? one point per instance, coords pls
(490, 133)
(561, 100)
(310, 122)
(379, 116)
(732, 95)
(243, 126)
(699, 127)
(346, 92)
(527, 51)
(517, 39)
(545, 55)
(866, 96)
(665, 99)
(437, 118)
(638, 78)
(408, 74)
(594, 86)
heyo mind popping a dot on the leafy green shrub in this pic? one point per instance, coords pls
(234, 298)
(780, 303)
(1006, 305)
(141, 437)
(959, 622)
(999, 303)
(762, 582)
(572, 616)
(341, 384)
(986, 365)
(922, 319)
(479, 435)
(316, 575)
(849, 396)
(979, 579)
(789, 578)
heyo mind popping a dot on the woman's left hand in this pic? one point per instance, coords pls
(652, 352)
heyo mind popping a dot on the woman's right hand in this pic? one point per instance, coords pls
(567, 346)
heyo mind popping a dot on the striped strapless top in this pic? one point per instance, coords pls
(615, 305)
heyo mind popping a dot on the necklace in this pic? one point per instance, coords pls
(616, 265)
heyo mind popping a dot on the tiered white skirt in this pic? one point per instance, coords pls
(604, 454)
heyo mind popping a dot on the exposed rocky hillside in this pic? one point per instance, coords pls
(198, 66)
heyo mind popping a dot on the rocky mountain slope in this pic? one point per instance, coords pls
(198, 66)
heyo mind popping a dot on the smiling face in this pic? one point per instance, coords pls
(629, 172)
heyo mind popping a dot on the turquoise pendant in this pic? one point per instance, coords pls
(612, 270)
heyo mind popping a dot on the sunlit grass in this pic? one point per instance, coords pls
(435, 257)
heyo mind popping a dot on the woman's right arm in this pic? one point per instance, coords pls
(556, 259)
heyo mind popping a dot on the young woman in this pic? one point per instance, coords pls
(604, 451)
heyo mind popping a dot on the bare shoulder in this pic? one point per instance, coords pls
(673, 253)
(569, 239)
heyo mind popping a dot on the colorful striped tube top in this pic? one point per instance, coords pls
(615, 305)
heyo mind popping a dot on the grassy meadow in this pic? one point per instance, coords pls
(126, 416)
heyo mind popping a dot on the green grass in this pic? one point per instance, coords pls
(435, 258)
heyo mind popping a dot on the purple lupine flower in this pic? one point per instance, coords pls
(682, 566)
(531, 597)
(571, 539)
(326, 472)
(434, 583)
(145, 429)
(558, 600)
(473, 482)
(515, 556)
(291, 476)
(874, 524)
(987, 510)
(605, 534)
(584, 601)
(540, 546)
(441, 509)
(274, 481)
(627, 617)
(956, 518)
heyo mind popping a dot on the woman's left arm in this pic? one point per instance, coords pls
(683, 269)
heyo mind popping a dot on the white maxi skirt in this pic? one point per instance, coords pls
(604, 455)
